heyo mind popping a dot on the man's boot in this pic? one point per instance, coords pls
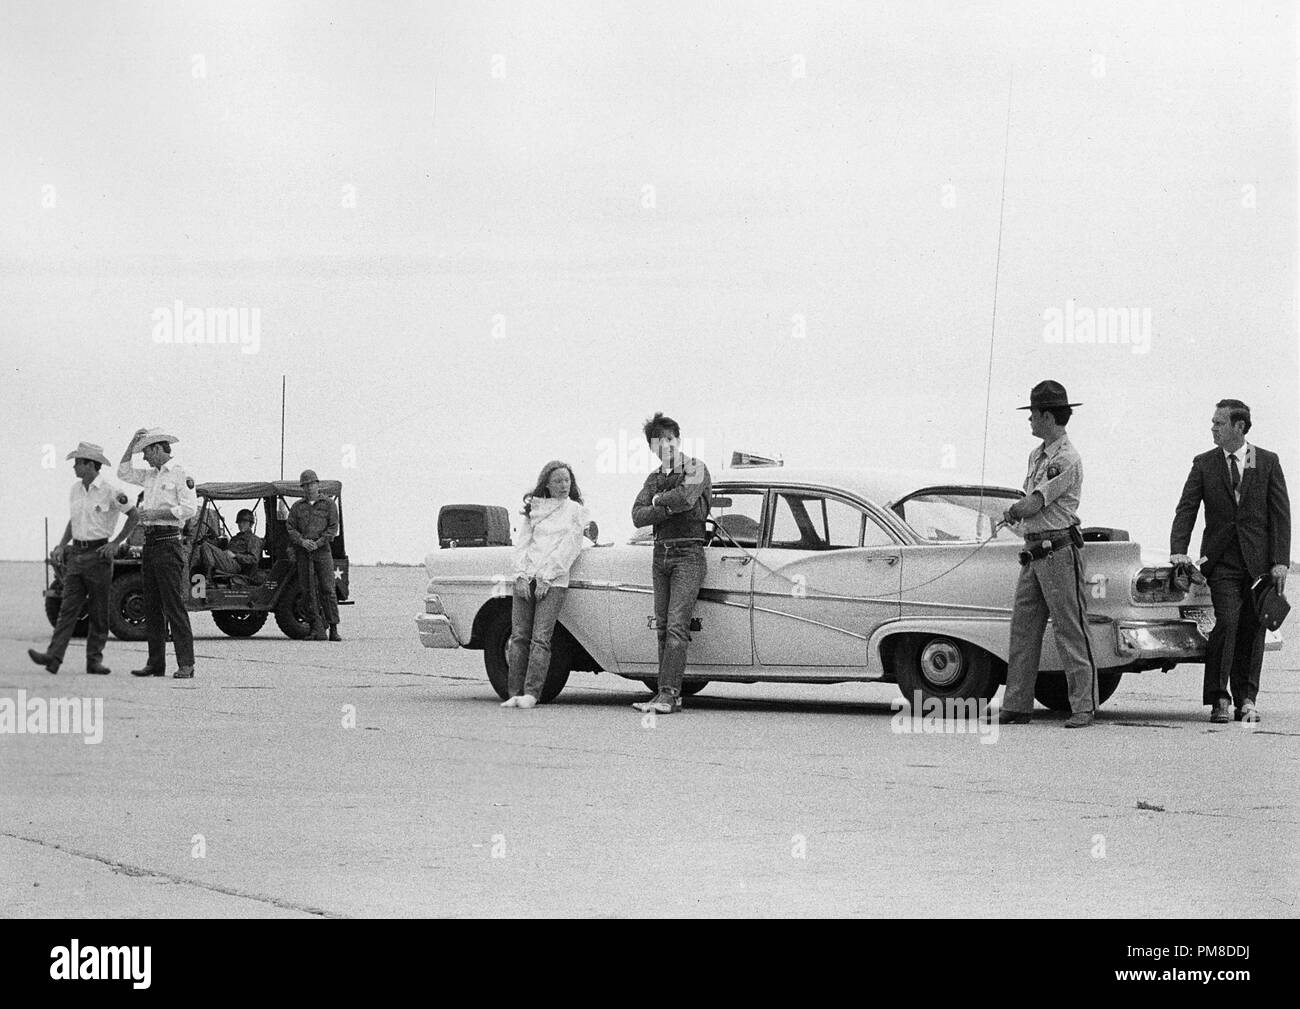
(334, 633)
(50, 663)
(317, 631)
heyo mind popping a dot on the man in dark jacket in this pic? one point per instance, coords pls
(312, 524)
(675, 500)
(1247, 537)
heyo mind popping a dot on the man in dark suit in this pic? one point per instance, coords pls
(1247, 536)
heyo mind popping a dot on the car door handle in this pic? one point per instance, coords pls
(890, 559)
(741, 559)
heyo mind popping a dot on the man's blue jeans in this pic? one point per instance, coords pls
(678, 573)
(531, 627)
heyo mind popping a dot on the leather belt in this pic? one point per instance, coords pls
(161, 532)
(1038, 547)
(89, 544)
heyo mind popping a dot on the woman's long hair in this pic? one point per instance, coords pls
(541, 490)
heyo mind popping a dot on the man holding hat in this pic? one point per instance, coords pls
(1051, 566)
(312, 524)
(169, 502)
(86, 555)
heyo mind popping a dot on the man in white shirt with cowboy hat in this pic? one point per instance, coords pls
(86, 554)
(169, 501)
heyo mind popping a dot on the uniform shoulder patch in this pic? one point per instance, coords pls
(189, 482)
(1053, 471)
(121, 499)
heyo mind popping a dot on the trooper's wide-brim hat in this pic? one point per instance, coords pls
(154, 434)
(1048, 394)
(85, 450)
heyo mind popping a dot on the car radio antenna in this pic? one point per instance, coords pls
(282, 427)
(997, 265)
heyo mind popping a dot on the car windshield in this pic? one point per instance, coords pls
(945, 516)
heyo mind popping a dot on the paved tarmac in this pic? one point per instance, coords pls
(242, 792)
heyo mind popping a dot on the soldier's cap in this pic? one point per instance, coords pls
(308, 476)
(85, 450)
(244, 513)
(1048, 394)
(150, 437)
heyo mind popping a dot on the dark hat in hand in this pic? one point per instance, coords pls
(1046, 395)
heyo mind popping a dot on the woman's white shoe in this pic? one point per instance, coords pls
(526, 701)
(510, 702)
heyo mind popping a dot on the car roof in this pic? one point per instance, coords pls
(879, 486)
(243, 491)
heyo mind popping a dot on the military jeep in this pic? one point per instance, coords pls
(239, 603)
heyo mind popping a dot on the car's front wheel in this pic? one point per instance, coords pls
(1052, 691)
(496, 644)
(937, 666)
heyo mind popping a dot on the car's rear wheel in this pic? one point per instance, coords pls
(496, 643)
(689, 687)
(126, 607)
(239, 623)
(52, 606)
(291, 614)
(1051, 690)
(937, 666)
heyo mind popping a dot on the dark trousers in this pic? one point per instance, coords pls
(86, 580)
(677, 572)
(163, 570)
(1235, 651)
(316, 580)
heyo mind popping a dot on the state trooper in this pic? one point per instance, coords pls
(312, 524)
(1051, 566)
(86, 554)
(169, 502)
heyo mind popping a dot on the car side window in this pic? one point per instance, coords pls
(818, 522)
(738, 516)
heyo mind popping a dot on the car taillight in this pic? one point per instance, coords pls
(1154, 585)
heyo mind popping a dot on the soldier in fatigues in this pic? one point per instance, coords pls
(312, 525)
(169, 502)
(1051, 572)
(86, 555)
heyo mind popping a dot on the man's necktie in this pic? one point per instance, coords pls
(1236, 478)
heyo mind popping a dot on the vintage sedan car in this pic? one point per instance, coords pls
(828, 577)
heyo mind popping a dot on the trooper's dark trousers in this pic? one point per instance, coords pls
(163, 570)
(86, 580)
(1235, 651)
(316, 579)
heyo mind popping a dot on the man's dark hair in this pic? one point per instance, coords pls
(657, 425)
(1237, 410)
(1061, 414)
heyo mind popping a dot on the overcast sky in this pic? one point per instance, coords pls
(479, 236)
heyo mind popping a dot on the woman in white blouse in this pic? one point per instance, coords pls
(549, 541)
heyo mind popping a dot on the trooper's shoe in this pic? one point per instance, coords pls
(334, 633)
(184, 673)
(97, 669)
(146, 671)
(1247, 712)
(50, 663)
(1080, 719)
(1219, 713)
(1006, 717)
(665, 702)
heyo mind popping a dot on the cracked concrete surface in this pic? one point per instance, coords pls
(758, 800)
